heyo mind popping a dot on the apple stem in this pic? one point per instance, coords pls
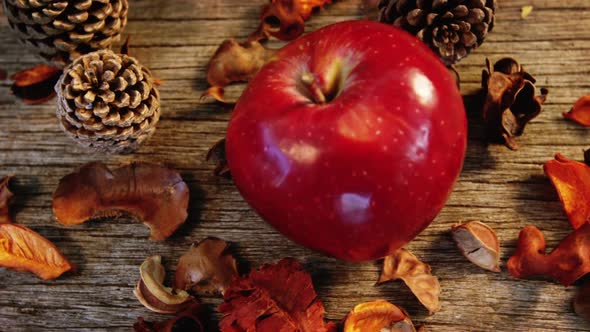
(312, 83)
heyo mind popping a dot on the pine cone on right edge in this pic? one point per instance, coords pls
(452, 28)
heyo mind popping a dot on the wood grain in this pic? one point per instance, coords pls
(175, 39)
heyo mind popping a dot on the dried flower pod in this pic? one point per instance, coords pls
(478, 243)
(207, 267)
(6, 198)
(376, 316)
(580, 112)
(566, 263)
(154, 193)
(61, 30)
(107, 102)
(582, 303)
(152, 293)
(416, 274)
(510, 101)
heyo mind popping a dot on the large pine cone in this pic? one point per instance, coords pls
(452, 28)
(107, 102)
(61, 30)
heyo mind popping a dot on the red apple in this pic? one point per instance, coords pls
(350, 141)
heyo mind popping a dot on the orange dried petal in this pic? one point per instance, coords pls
(580, 113)
(25, 250)
(572, 182)
(373, 316)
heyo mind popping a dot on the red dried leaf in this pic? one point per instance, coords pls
(35, 85)
(187, 321)
(277, 297)
(566, 263)
(154, 193)
(572, 182)
(6, 197)
(25, 250)
(580, 113)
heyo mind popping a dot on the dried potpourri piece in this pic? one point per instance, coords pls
(580, 113)
(572, 182)
(35, 85)
(6, 198)
(152, 293)
(478, 243)
(510, 101)
(153, 193)
(285, 19)
(187, 321)
(566, 263)
(277, 297)
(416, 274)
(582, 303)
(378, 315)
(217, 154)
(25, 250)
(207, 267)
(235, 62)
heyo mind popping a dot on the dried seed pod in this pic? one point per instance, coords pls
(478, 243)
(61, 30)
(378, 315)
(107, 102)
(152, 293)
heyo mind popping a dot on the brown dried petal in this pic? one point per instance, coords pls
(152, 293)
(6, 198)
(478, 243)
(154, 193)
(379, 316)
(416, 274)
(35, 85)
(582, 303)
(207, 267)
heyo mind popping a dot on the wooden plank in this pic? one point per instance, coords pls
(175, 39)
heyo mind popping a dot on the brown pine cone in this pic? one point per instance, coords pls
(107, 102)
(61, 30)
(452, 28)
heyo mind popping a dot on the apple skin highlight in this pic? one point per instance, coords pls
(350, 140)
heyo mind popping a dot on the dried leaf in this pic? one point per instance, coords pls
(154, 193)
(403, 265)
(510, 101)
(580, 113)
(525, 11)
(152, 293)
(582, 303)
(566, 263)
(6, 198)
(187, 321)
(23, 249)
(378, 316)
(35, 85)
(572, 182)
(207, 267)
(478, 243)
(216, 154)
(277, 297)
(235, 62)
(284, 19)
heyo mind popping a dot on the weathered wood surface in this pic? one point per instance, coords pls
(504, 188)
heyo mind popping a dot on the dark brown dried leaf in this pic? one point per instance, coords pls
(6, 198)
(35, 85)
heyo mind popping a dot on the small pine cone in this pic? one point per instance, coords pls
(61, 30)
(452, 28)
(107, 102)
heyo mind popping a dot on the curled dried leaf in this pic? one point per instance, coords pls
(478, 243)
(187, 321)
(580, 113)
(235, 62)
(154, 193)
(207, 267)
(380, 316)
(571, 179)
(566, 263)
(582, 303)
(6, 198)
(217, 155)
(416, 274)
(152, 293)
(277, 297)
(285, 19)
(23, 249)
(35, 85)
(510, 101)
